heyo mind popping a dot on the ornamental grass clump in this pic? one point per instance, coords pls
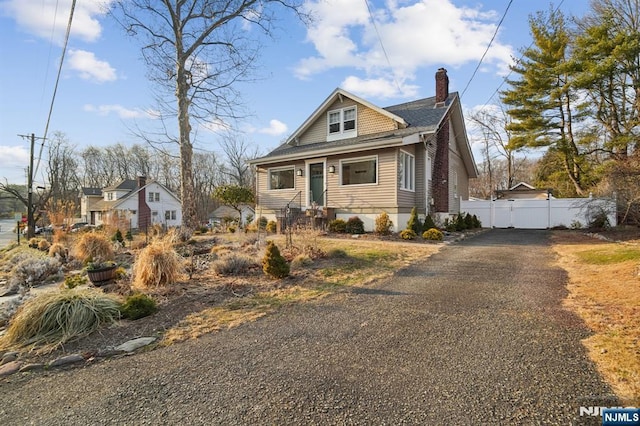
(54, 318)
(233, 264)
(93, 246)
(157, 265)
(273, 263)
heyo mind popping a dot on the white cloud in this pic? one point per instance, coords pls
(90, 67)
(120, 111)
(45, 18)
(13, 161)
(415, 34)
(378, 88)
(276, 128)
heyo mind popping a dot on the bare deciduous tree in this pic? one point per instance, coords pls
(198, 50)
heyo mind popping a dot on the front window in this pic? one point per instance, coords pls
(154, 197)
(170, 215)
(359, 171)
(406, 171)
(342, 123)
(282, 178)
(109, 196)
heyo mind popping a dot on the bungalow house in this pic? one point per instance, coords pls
(353, 158)
(523, 190)
(226, 213)
(134, 203)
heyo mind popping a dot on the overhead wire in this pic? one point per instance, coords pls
(55, 89)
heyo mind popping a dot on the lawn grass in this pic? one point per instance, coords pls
(604, 289)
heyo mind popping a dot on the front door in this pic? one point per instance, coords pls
(316, 183)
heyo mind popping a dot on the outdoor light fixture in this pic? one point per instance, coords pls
(299, 172)
(332, 169)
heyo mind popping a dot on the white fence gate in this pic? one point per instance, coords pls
(539, 214)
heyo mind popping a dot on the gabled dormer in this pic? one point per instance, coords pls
(344, 115)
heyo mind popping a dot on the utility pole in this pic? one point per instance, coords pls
(31, 223)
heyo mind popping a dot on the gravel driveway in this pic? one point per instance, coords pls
(476, 334)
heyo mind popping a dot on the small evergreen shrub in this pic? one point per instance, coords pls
(433, 234)
(383, 224)
(73, 281)
(354, 225)
(337, 253)
(338, 225)
(428, 223)
(117, 238)
(262, 223)
(476, 222)
(468, 221)
(271, 226)
(414, 221)
(408, 234)
(273, 264)
(43, 245)
(128, 236)
(460, 223)
(450, 224)
(138, 306)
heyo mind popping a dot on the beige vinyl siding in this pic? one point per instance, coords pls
(277, 198)
(407, 198)
(382, 195)
(368, 122)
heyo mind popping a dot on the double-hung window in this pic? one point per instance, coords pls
(282, 178)
(407, 171)
(154, 197)
(342, 123)
(359, 171)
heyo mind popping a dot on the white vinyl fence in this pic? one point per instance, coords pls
(540, 214)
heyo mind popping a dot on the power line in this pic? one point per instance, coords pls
(487, 49)
(55, 89)
(373, 21)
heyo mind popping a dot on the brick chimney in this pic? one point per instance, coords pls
(144, 212)
(442, 85)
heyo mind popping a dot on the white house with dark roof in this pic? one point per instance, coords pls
(353, 158)
(135, 204)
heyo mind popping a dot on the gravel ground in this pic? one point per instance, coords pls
(476, 334)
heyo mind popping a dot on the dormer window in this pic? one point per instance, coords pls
(342, 123)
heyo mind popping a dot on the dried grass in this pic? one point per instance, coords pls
(605, 292)
(53, 318)
(93, 247)
(158, 265)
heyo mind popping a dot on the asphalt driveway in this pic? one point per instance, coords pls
(476, 334)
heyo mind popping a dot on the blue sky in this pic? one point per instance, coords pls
(103, 92)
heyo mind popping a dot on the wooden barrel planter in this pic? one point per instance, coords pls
(102, 275)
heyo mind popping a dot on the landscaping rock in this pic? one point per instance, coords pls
(66, 360)
(31, 367)
(8, 357)
(134, 344)
(10, 368)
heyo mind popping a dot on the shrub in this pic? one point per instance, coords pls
(128, 236)
(138, 306)
(460, 223)
(53, 318)
(476, 222)
(33, 242)
(301, 261)
(262, 223)
(73, 281)
(433, 234)
(157, 265)
(43, 245)
(233, 264)
(336, 253)
(408, 234)
(354, 225)
(383, 224)
(33, 271)
(449, 224)
(468, 221)
(272, 226)
(428, 223)
(232, 229)
(273, 263)
(414, 221)
(117, 238)
(93, 246)
(338, 225)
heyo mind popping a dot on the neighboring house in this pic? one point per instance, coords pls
(135, 204)
(523, 190)
(353, 158)
(222, 213)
